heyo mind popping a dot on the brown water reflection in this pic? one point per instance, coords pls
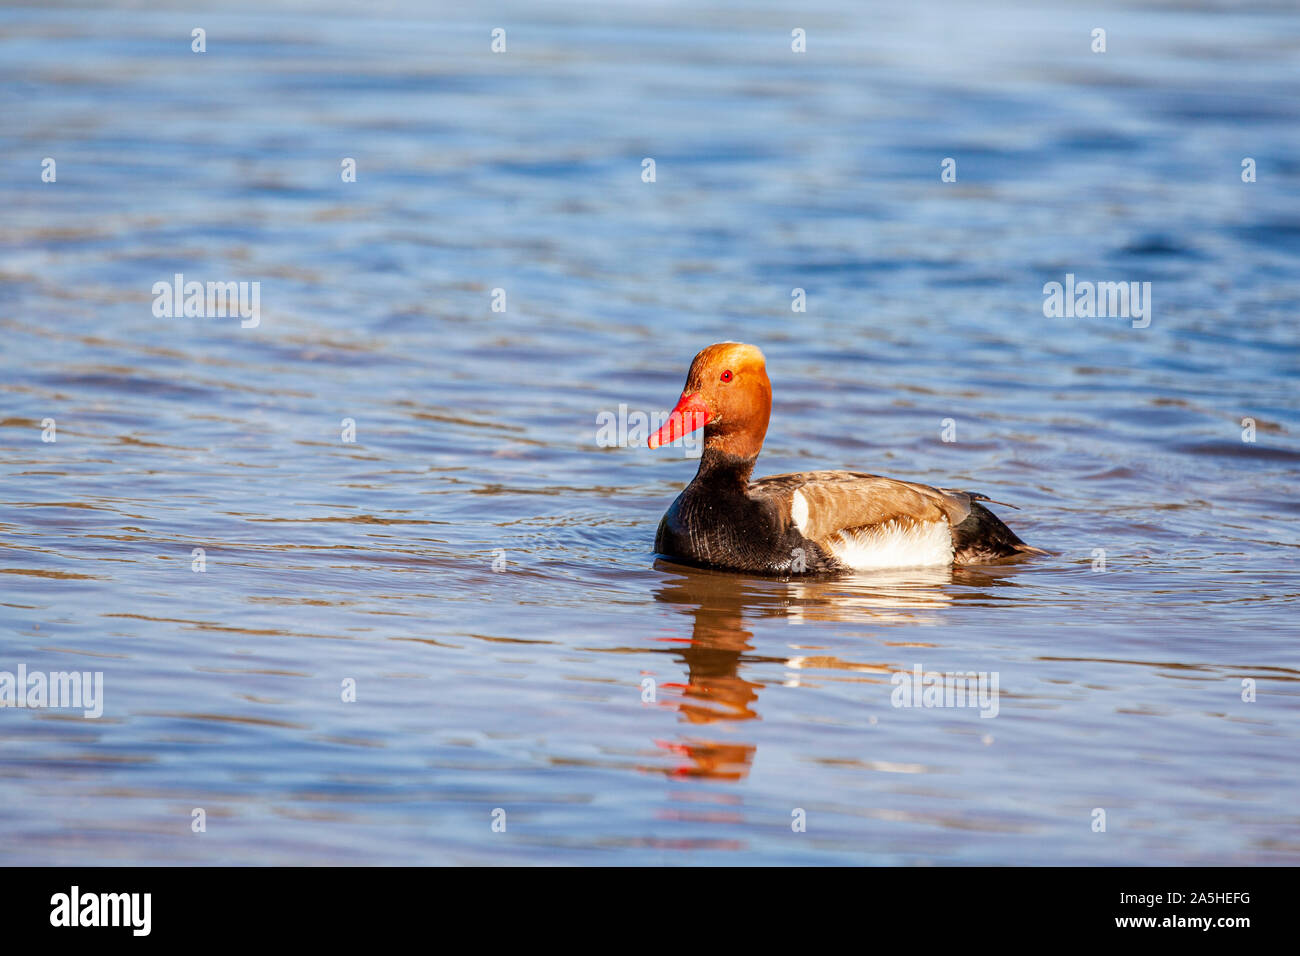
(721, 643)
(714, 689)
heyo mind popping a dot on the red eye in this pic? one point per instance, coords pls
(726, 376)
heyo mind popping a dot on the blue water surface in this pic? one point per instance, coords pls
(479, 567)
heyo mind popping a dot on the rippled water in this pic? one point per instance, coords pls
(522, 689)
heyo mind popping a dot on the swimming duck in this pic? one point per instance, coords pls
(810, 522)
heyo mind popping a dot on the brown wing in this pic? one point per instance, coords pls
(845, 500)
(842, 502)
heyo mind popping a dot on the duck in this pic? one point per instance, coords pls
(812, 522)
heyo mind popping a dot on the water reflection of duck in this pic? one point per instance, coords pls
(810, 522)
(721, 643)
(714, 689)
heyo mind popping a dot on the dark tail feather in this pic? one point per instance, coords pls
(983, 537)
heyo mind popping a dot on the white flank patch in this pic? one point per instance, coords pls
(894, 545)
(799, 511)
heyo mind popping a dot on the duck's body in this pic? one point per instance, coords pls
(809, 522)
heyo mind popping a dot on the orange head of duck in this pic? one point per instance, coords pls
(728, 394)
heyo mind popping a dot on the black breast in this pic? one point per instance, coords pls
(717, 524)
